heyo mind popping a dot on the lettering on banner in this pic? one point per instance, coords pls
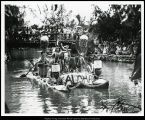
(91, 78)
(72, 79)
(85, 80)
(79, 76)
(68, 78)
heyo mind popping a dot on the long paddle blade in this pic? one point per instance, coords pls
(23, 75)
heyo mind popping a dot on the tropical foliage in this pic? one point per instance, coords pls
(13, 17)
(13, 20)
(120, 21)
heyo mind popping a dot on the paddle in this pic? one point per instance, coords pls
(24, 75)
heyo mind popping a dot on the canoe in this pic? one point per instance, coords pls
(84, 80)
(100, 85)
(46, 82)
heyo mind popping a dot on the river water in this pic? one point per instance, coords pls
(22, 96)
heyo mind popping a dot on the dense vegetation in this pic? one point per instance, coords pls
(120, 23)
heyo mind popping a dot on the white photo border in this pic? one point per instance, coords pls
(3, 3)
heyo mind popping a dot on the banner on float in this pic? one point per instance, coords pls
(85, 78)
(98, 64)
(55, 68)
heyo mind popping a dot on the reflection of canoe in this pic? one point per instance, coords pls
(46, 82)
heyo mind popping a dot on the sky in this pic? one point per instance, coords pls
(85, 9)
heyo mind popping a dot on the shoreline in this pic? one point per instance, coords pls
(116, 58)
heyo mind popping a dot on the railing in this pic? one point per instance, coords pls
(31, 39)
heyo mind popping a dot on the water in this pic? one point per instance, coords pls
(22, 96)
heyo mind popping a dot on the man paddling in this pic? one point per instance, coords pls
(42, 60)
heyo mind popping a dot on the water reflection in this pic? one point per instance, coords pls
(86, 100)
(25, 53)
(77, 101)
(53, 101)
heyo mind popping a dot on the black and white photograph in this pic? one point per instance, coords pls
(72, 58)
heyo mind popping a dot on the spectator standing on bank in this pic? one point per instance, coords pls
(124, 49)
(101, 48)
(130, 47)
(118, 50)
(105, 49)
(112, 48)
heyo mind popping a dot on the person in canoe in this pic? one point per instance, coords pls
(41, 62)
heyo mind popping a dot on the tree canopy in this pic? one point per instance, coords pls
(13, 17)
(119, 22)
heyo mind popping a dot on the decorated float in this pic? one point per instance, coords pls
(51, 74)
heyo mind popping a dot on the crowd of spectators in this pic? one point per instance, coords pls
(116, 48)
